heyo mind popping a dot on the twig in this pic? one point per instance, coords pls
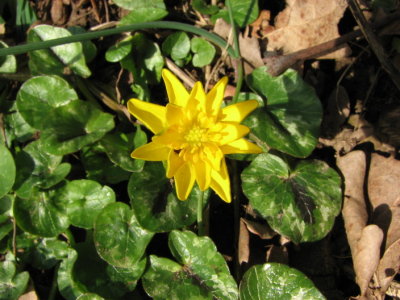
(178, 72)
(374, 42)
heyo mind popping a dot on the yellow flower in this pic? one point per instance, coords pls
(193, 133)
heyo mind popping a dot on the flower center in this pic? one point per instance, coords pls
(195, 136)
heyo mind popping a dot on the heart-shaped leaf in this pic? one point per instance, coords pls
(203, 51)
(119, 239)
(277, 281)
(39, 96)
(82, 200)
(177, 45)
(56, 59)
(299, 203)
(71, 127)
(291, 119)
(155, 203)
(12, 283)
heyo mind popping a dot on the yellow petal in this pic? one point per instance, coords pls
(220, 183)
(240, 146)
(151, 151)
(177, 93)
(203, 174)
(174, 163)
(225, 133)
(215, 96)
(237, 112)
(174, 114)
(153, 116)
(184, 181)
(197, 100)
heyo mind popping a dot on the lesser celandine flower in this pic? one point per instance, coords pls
(193, 133)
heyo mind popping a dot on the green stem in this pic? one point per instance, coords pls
(120, 29)
(236, 49)
(200, 222)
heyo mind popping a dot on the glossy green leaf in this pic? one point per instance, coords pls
(203, 51)
(56, 59)
(155, 203)
(69, 288)
(9, 63)
(277, 281)
(120, 50)
(88, 47)
(177, 45)
(204, 263)
(142, 11)
(38, 168)
(7, 173)
(299, 203)
(118, 147)
(101, 278)
(290, 122)
(82, 200)
(166, 279)
(89, 296)
(244, 12)
(98, 167)
(6, 224)
(73, 126)
(39, 215)
(15, 126)
(119, 239)
(203, 8)
(39, 96)
(12, 283)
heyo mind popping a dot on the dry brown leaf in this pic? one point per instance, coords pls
(250, 52)
(262, 230)
(389, 266)
(243, 244)
(353, 168)
(306, 23)
(367, 255)
(383, 180)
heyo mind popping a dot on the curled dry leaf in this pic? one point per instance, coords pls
(262, 230)
(389, 266)
(384, 194)
(243, 246)
(367, 255)
(353, 168)
(306, 23)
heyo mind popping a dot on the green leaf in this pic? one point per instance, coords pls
(142, 11)
(89, 296)
(73, 126)
(203, 8)
(200, 256)
(277, 281)
(88, 47)
(82, 200)
(12, 284)
(290, 122)
(119, 239)
(118, 147)
(16, 128)
(202, 272)
(56, 59)
(39, 96)
(101, 278)
(155, 203)
(98, 167)
(177, 45)
(6, 224)
(299, 203)
(244, 12)
(203, 51)
(166, 279)
(120, 50)
(9, 63)
(38, 168)
(69, 288)
(7, 173)
(39, 215)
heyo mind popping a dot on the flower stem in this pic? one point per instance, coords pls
(200, 222)
(120, 29)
